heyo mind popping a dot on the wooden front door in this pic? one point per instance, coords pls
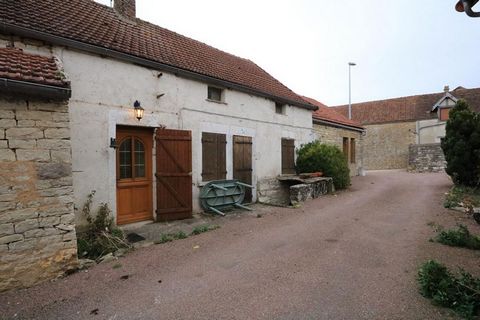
(174, 174)
(134, 175)
(242, 162)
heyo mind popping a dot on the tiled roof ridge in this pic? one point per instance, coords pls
(101, 26)
(396, 98)
(331, 116)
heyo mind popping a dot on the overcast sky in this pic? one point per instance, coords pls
(401, 47)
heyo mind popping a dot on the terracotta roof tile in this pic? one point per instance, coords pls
(330, 115)
(410, 108)
(90, 22)
(18, 65)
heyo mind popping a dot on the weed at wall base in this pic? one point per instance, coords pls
(100, 236)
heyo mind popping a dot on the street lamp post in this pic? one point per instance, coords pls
(350, 65)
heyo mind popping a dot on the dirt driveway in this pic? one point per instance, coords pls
(350, 256)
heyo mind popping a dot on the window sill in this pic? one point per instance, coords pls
(216, 101)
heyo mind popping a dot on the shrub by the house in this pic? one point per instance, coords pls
(329, 159)
(461, 145)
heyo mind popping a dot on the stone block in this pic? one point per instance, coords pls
(18, 215)
(53, 144)
(23, 226)
(54, 210)
(64, 155)
(6, 229)
(6, 206)
(68, 218)
(22, 144)
(11, 238)
(70, 236)
(19, 246)
(300, 193)
(60, 116)
(7, 114)
(7, 197)
(51, 124)
(24, 133)
(43, 232)
(53, 170)
(49, 221)
(34, 115)
(55, 192)
(7, 123)
(33, 155)
(25, 123)
(57, 133)
(3, 144)
(7, 155)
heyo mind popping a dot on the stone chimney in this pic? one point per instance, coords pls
(446, 89)
(125, 8)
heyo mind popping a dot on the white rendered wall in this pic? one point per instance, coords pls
(103, 93)
(430, 131)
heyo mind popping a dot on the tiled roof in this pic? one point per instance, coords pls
(18, 65)
(89, 22)
(330, 115)
(410, 108)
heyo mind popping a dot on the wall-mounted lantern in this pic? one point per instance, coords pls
(113, 143)
(138, 110)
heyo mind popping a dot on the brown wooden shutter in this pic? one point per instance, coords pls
(214, 152)
(288, 156)
(174, 174)
(352, 150)
(345, 147)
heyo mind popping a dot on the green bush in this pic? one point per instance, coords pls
(461, 145)
(100, 236)
(445, 289)
(330, 160)
(460, 237)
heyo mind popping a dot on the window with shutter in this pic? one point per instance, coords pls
(214, 148)
(288, 156)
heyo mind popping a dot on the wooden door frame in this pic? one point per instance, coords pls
(147, 135)
(251, 143)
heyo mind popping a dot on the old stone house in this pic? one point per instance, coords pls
(407, 129)
(332, 127)
(149, 118)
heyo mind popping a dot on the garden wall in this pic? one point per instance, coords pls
(426, 158)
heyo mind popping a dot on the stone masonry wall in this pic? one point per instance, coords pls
(333, 135)
(385, 146)
(37, 232)
(426, 158)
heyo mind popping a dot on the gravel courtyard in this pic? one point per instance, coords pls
(353, 255)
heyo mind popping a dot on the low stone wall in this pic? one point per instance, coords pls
(302, 192)
(284, 193)
(37, 232)
(426, 158)
(271, 191)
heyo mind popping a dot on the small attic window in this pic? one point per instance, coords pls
(215, 94)
(280, 108)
